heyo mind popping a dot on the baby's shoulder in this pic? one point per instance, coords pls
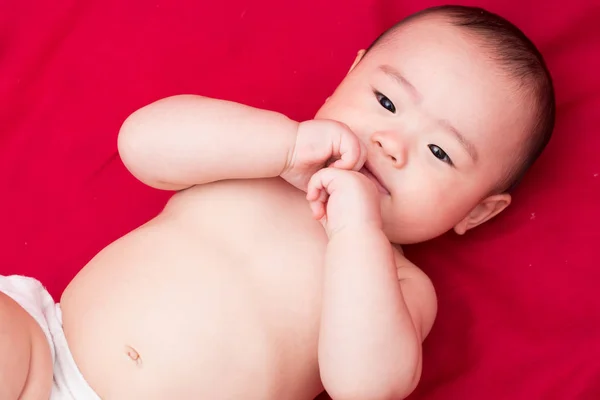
(418, 291)
(408, 270)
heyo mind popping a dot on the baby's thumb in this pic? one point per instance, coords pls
(362, 157)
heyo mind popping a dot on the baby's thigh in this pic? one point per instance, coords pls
(26, 362)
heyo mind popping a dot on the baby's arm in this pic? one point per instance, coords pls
(377, 310)
(377, 306)
(19, 351)
(185, 140)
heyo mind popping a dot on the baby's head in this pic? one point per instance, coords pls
(454, 104)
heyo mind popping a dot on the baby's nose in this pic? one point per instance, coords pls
(391, 146)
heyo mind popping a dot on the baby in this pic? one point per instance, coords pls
(275, 271)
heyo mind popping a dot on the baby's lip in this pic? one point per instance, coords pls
(372, 174)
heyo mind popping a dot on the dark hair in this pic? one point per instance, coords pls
(520, 58)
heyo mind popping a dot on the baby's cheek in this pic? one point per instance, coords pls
(358, 126)
(418, 216)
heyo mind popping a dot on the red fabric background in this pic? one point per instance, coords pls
(519, 306)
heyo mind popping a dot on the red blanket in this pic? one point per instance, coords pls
(519, 315)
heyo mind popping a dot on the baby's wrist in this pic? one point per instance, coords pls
(355, 229)
(290, 149)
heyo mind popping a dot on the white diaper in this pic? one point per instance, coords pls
(68, 383)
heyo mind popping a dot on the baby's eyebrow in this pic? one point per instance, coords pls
(461, 138)
(398, 77)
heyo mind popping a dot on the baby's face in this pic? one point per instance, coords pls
(442, 125)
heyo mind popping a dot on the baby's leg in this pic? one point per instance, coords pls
(25, 359)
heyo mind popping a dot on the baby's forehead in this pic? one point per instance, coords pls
(420, 28)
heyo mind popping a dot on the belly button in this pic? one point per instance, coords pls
(134, 355)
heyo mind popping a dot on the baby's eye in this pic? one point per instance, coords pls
(440, 154)
(385, 102)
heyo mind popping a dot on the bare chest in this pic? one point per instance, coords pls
(229, 274)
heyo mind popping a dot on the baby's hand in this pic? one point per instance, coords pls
(320, 143)
(344, 199)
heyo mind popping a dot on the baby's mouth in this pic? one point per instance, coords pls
(372, 175)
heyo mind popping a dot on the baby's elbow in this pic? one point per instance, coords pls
(137, 147)
(408, 378)
(147, 142)
(401, 389)
(132, 145)
(391, 392)
(382, 393)
(394, 386)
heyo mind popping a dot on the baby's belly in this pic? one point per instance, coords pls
(193, 305)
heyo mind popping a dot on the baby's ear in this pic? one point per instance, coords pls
(359, 57)
(484, 211)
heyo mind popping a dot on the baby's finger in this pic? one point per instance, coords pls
(318, 209)
(362, 158)
(322, 180)
(341, 164)
(314, 186)
(350, 152)
(314, 189)
(347, 160)
(323, 196)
